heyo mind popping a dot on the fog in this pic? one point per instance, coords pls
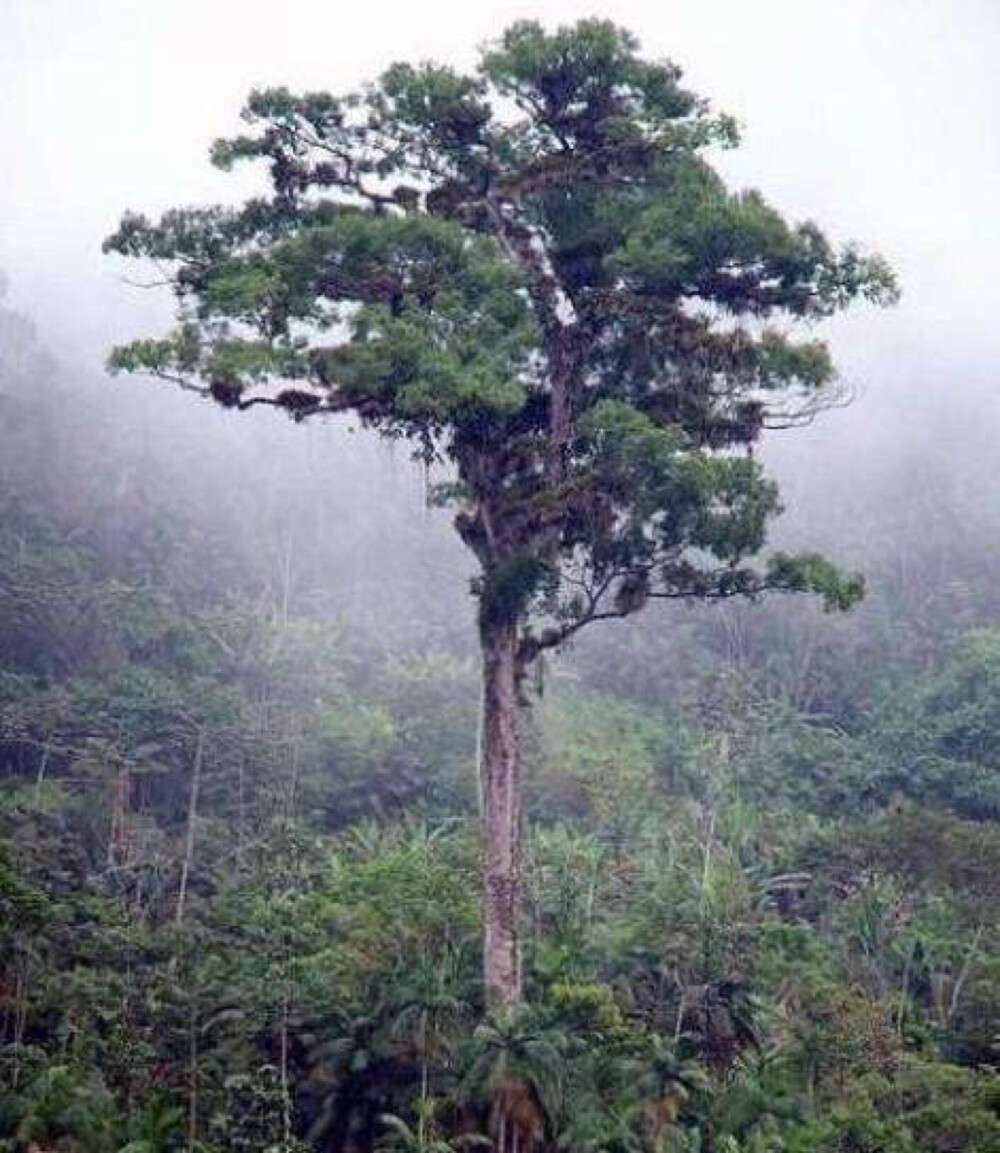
(876, 119)
(278, 839)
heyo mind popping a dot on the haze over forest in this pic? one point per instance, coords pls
(240, 703)
(872, 120)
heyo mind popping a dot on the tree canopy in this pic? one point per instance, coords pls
(532, 272)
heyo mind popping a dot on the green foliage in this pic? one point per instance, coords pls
(507, 590)
(59, 1104)
(532, 273)
(762, 883)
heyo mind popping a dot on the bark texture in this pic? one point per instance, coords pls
(501, 790)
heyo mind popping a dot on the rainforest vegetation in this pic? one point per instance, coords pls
(745, 887)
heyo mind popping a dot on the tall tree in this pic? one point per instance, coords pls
(533, 273)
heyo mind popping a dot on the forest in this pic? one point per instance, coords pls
(242, 711)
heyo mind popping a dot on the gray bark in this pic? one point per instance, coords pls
(501, 792)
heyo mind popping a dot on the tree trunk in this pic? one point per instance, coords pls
(501, 792)
(192, 820)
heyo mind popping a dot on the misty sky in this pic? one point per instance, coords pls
(876, 117)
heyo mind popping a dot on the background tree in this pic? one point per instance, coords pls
(532, 273)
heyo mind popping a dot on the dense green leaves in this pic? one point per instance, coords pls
(509, 268)
(752, 925)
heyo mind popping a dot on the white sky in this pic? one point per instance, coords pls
(877, 117)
